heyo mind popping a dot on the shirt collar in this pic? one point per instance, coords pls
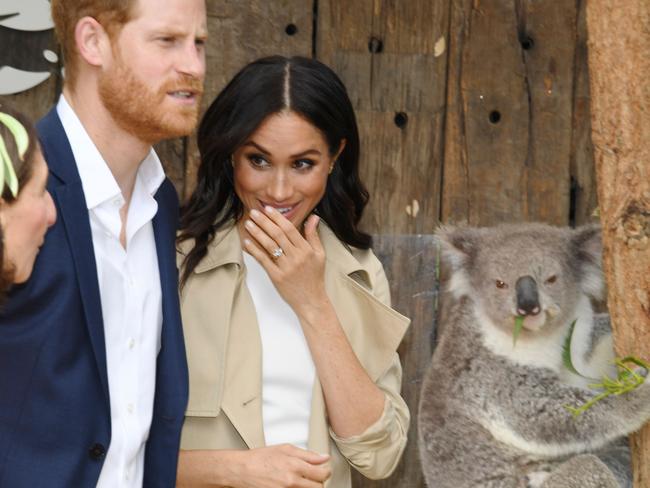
(98, 182)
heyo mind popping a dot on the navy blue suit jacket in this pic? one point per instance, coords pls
(55, 425)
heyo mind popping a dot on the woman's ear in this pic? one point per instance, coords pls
(341, 147)
(336, 156)
(91, 40)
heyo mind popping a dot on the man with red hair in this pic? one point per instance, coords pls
(92, 362)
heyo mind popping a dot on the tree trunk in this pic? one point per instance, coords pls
(619, 65)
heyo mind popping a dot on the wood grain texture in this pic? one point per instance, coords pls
(392, 57)
(582, 169)
(411, 267)
(509, 115)
(619, 62)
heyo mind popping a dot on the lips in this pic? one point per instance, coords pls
(286, 210)
(185, 96)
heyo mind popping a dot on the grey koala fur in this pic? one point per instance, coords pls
(492, 414)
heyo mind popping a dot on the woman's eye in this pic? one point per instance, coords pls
(551, 279)
(303, 164)
(257, 160)
(501, 284)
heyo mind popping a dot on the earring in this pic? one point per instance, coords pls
(331, 169)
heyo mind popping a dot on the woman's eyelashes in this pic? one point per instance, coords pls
(260, 161)
(304, 164)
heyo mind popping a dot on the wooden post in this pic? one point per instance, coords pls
(619, 63)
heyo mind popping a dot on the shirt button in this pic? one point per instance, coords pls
(131, 343)
(117, 202)
(129, 407)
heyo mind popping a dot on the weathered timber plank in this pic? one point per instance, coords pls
(547, 35)
(508, 134)
(241, 31)
(392, 57)
(172, 156)
(582, 150)
(410, 264)
(400, 171)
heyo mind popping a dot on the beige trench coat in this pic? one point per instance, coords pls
(225, 364)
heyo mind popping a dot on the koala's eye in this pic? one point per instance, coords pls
(501, 284)
(551, 279)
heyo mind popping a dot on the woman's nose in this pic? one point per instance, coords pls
(280, 188)
(51, 210)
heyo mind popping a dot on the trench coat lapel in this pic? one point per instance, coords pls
(226, 351)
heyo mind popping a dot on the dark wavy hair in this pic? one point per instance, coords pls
(263, 88)
(24, 169)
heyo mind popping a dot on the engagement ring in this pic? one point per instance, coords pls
(277, 252)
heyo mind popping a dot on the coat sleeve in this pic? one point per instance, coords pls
(376, 452)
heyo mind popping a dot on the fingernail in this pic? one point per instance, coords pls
(254, 213)
(248, 224)
(269, 209)
(247, 242)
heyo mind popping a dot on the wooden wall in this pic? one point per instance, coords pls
(470, 111)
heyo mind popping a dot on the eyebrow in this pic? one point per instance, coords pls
(293, 156)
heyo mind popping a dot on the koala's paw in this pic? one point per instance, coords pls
(536, 479)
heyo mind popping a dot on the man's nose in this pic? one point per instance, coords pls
(192, 61)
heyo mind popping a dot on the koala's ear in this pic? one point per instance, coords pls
(587, 251)
(458, 245)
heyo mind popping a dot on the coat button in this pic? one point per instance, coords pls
(97, 452)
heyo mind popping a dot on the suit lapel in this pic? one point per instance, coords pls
(74, 214)
(171, 371)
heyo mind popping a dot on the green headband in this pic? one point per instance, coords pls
(7, 172)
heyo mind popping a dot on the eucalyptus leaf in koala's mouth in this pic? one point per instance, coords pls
(519, 324)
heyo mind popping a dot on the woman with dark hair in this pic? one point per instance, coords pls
(26, 208)
(291, 341)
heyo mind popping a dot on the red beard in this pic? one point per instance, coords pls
(150, 114)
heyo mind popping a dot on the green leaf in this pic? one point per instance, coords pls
(566, 351)
(626, 381)
(519, 324)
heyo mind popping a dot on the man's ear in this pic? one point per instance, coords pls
(92, 41)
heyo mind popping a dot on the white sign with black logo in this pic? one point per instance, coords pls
(25, 37)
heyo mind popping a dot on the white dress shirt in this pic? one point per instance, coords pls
(288, 370)
(131, 297)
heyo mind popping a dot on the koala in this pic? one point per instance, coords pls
(493, 412)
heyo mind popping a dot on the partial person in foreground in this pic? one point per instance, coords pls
(291, 341)
(93, 375)
(26, 207)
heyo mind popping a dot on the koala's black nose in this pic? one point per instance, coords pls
(527, 296)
